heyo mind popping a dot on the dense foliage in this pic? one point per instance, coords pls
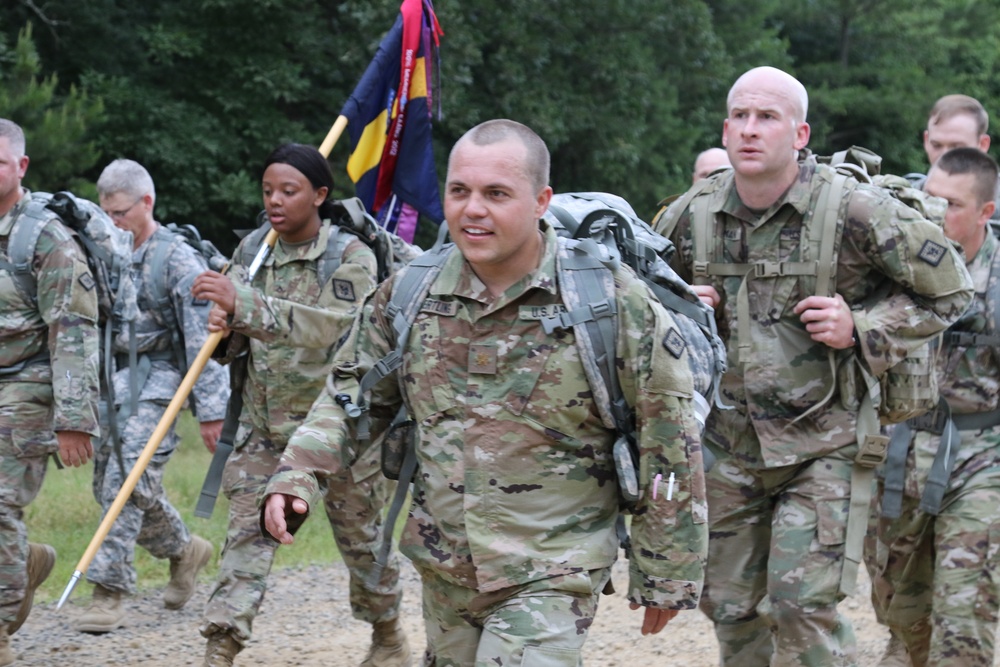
(625, 92)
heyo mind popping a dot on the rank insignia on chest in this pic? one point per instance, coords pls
(87, 281)
(674, 343)
(443, 308)
(343, 289)
(932, 252)
(540, 312)
(482, 359)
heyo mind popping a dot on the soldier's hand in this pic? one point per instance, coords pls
(828, 320)
(218, 321)
(217, 288)
(210, 432)
(276, 508)
(707, 294)
(654, 619)
(74, 448)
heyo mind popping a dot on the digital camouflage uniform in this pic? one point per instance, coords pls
(148, 518)
(936, 580)
(512, 525)
(291, 326)
(780, 492)
(55, 394)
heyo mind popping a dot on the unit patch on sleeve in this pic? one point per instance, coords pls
(343, 289)
(87, 281)
(674, 343)
(932, 252)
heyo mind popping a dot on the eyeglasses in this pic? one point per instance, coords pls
(118, 215)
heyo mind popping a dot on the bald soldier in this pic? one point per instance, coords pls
(784, 545)
(708, 161)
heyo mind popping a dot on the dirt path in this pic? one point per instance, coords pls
(306, 622)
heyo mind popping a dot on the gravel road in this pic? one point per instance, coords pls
(305, 621)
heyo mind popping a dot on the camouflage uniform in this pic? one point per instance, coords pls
(936, 580)
(148, 518)
(55, 394)
(291, 326)
(515, 498)
(780, 494)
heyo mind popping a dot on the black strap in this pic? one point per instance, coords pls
(224, 447)
(406, 472)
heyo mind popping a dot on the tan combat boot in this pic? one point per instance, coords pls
(41, 558)
(6, 655)
(184, 572)
(104, 614)
(389, 646)
(221, 650)
(895, 654)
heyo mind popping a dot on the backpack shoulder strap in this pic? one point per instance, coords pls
(683, 201)
(253, 241)
(409, 290)
(22, 243)
(167, 242)
(585, 277)
(586, 284)
(336, 243)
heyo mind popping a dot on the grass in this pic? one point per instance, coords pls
(66, 516)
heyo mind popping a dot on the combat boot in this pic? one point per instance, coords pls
(389, 646)
(41, 558)
(221, 650)
(104, 614)
(895, 654)
(6, 655)
(184, 572)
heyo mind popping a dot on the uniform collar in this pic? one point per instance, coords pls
(307, 251)
(798, 196)
(458, 278)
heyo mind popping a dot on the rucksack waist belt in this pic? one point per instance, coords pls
(935, 421)
(121, 360)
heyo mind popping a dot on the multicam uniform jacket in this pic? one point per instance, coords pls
(516, 481)
(294, 322)
(779, 392)
(64, 320)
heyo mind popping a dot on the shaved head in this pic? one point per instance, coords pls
(776, 80)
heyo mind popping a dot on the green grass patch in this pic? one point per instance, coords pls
(66, 516)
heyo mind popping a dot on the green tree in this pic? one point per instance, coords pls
(873, 68)
(56, 125)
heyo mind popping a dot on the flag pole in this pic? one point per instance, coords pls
(331, 138)
(174, 407)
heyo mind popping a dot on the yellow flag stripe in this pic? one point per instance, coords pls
(368, 152)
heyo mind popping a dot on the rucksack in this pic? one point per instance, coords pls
(109, 256)
(600, 231)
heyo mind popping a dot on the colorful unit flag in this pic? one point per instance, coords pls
(389, 120)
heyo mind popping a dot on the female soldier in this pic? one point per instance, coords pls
(288, 319)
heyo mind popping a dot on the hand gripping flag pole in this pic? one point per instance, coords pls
(174, 407)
